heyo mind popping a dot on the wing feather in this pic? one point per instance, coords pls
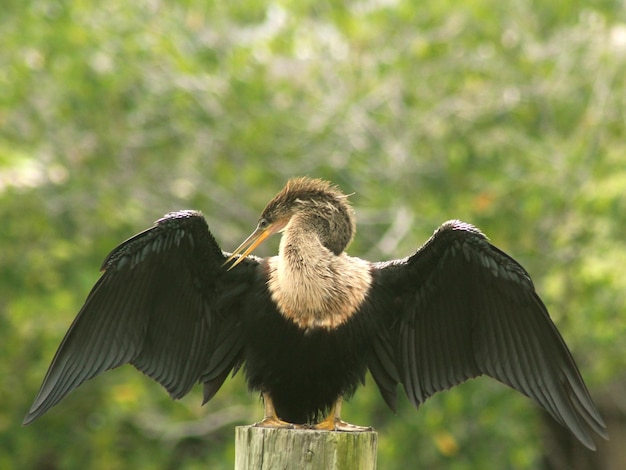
(384, 371)
(469, 309)
(155, 306)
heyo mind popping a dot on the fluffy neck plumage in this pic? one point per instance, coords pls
(310, 285)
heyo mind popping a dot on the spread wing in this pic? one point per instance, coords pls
(468, 309)
(156, 307)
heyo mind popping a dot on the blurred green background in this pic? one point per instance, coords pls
(508, 115)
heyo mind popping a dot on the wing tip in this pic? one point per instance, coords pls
(29, 418)
(34, 413)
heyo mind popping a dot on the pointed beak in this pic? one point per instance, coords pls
(250, 243)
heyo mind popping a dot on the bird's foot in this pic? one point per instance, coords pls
(336, 424)
(274, 422)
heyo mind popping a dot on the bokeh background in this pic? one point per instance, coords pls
(508, 115)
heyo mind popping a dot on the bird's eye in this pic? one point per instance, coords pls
(263, 224)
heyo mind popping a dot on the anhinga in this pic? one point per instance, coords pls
(307, 324)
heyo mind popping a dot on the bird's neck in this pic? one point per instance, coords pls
(313, 287)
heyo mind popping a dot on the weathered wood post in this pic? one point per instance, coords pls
(285, 449)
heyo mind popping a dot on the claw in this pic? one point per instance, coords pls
(340, 425)
(333, 421)
(274, 422)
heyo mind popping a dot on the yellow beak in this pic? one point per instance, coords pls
(249, 244)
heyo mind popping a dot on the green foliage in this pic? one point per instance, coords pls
(509, 116)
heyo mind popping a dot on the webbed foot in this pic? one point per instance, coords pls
(336, 424)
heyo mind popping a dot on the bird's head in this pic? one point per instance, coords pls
(308, 204)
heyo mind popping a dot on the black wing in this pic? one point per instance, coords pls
(156, 307)
(467, 309)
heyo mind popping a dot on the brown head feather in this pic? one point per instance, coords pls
(320, 205)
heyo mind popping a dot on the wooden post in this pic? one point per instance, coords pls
(285, 449)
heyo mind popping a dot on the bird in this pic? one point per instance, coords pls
(307, 324)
